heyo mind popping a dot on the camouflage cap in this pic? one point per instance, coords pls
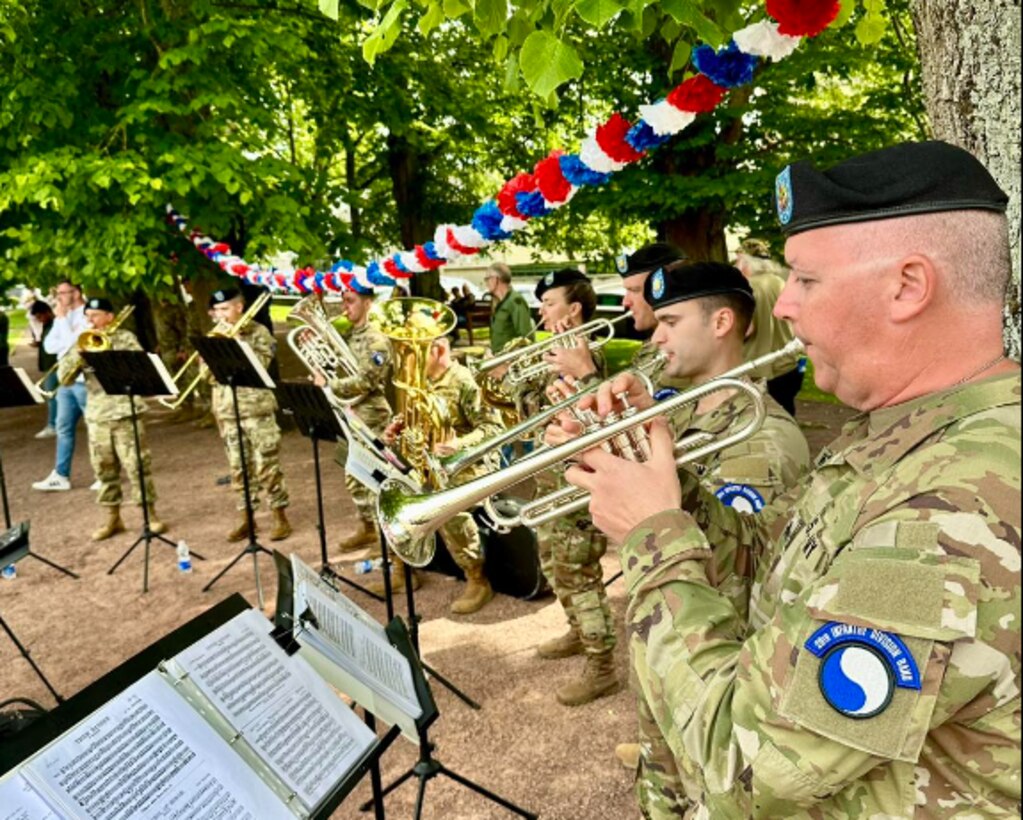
(755, 247)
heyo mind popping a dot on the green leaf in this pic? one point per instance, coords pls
(687, 13)
(329, 8)
(432, 17)
(519, 28)
(598, 12)
(385, 34)
(870, 30)
(548, 62)
(500, 48)
(490, 16)
(455, 8)
(680, 56)
(845, 10)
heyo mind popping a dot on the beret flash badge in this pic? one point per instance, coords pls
(657, 283)
(783, 195)
(622, 262)
(861, 668)
(549, 279)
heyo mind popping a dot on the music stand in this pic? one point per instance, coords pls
(316, 418)
(233, 363)
(134, 373)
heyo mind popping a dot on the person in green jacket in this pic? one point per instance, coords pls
(509, 316)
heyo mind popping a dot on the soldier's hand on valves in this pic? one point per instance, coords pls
(575, 361)
(318, 379)
(445, 448)
(606, 398)
(563, 428)
(392, 431)
(626, 493)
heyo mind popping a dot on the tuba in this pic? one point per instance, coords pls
(222, 331)
(318, 344)
(93, 341)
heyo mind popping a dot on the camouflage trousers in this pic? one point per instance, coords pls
(570, 551)
(659, 789)
(262, 439)
(111, 447)
(364, 498)
(462, 538)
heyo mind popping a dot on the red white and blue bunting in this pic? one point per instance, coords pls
(556, 178)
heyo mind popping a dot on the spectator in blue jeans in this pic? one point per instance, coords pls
(63, 336)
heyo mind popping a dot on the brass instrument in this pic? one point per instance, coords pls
(409, 518)
(89, 340)
(412, 324)
(223, 331)
(318, 344)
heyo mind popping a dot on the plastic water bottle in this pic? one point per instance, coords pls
(10, 572)
(184, 559)
(367, 565)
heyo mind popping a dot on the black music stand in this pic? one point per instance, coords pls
(233, 363)
(316, 418)
(134, 373)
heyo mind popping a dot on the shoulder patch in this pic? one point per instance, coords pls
(665, 393)
(741, 497)
(378, 358)
(861, 668)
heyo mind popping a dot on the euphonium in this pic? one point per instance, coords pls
(220, 330)
(409, 518)
(318, 344)
(91, 340)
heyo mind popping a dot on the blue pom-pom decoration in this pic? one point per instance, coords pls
(642, 137)
(531, 204)
(576, 172)
(487, 221)
(729, 68)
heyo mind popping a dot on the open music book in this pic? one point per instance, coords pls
(350, 650)
(232, 727)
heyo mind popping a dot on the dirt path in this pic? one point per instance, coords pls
(522, 744)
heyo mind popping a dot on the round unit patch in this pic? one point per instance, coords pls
(741, 497)
(657, 283)
(378, 358)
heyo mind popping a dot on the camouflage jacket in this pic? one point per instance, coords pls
(252, 401)
(471, 420)
(371, 348)
(99, 406)
(878, 674)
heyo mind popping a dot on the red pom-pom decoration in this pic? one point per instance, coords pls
(239, 269)
(425, 260)
(549, 179)
(698, 95)
(391, 268)
(520, 183)
(611, 139)
(803, 18)
(455, 245)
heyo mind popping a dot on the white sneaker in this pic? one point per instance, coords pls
(96, 486)
(47, 432)
(54, 482)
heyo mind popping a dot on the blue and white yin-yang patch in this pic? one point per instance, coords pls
(861, 667)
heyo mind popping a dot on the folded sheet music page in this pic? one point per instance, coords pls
(19, 801)
(147, 755)
(285, 712)
(349, 638)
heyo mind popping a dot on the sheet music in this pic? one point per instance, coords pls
(148, 755)
(253, 360)
(286, 713)
(165, 376)
(19, 801)
(362, 650)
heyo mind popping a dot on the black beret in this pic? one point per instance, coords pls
(224, 295)
(559, 279)
(99, 303)
(650, 257)
(909, 178)
(665, 287)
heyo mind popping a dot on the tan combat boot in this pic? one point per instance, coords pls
(598, 680)
(282, 527)
(365, 535)
(477, 594)
(397, 579)
(156, 526)
(241, 530)
(628, 755)
(113, 526)
(564, 646)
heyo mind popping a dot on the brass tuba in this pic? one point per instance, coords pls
(91, 340)
(222, 331)
(318, 344)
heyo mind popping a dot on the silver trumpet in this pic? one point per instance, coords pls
(318, 344)
(409, 518)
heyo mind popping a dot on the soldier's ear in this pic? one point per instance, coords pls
(913, 287)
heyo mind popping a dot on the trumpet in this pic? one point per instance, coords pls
(318, 344)
(89, 341)
(223, 331)
(409, 518)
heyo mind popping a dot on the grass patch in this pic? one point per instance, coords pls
(18, 324)
(811, 392)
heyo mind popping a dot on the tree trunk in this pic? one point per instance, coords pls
(701, 234)
(970, 53)
(408, 182)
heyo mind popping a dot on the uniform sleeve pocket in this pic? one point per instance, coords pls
(874, 648)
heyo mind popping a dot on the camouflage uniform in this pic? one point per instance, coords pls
(745, 476)
(256, 407)
(908, 529)
(472, 422)
(570, 547)
(371, 348)
(111, 440)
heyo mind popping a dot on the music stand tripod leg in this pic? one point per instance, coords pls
(28, 657)
(253, 547)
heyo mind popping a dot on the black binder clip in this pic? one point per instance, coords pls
(285, 640)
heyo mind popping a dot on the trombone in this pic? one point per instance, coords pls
(89, 340)
(220, 330)
(409, 518)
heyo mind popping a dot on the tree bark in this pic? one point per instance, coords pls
(408, 182)
(970, 54)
